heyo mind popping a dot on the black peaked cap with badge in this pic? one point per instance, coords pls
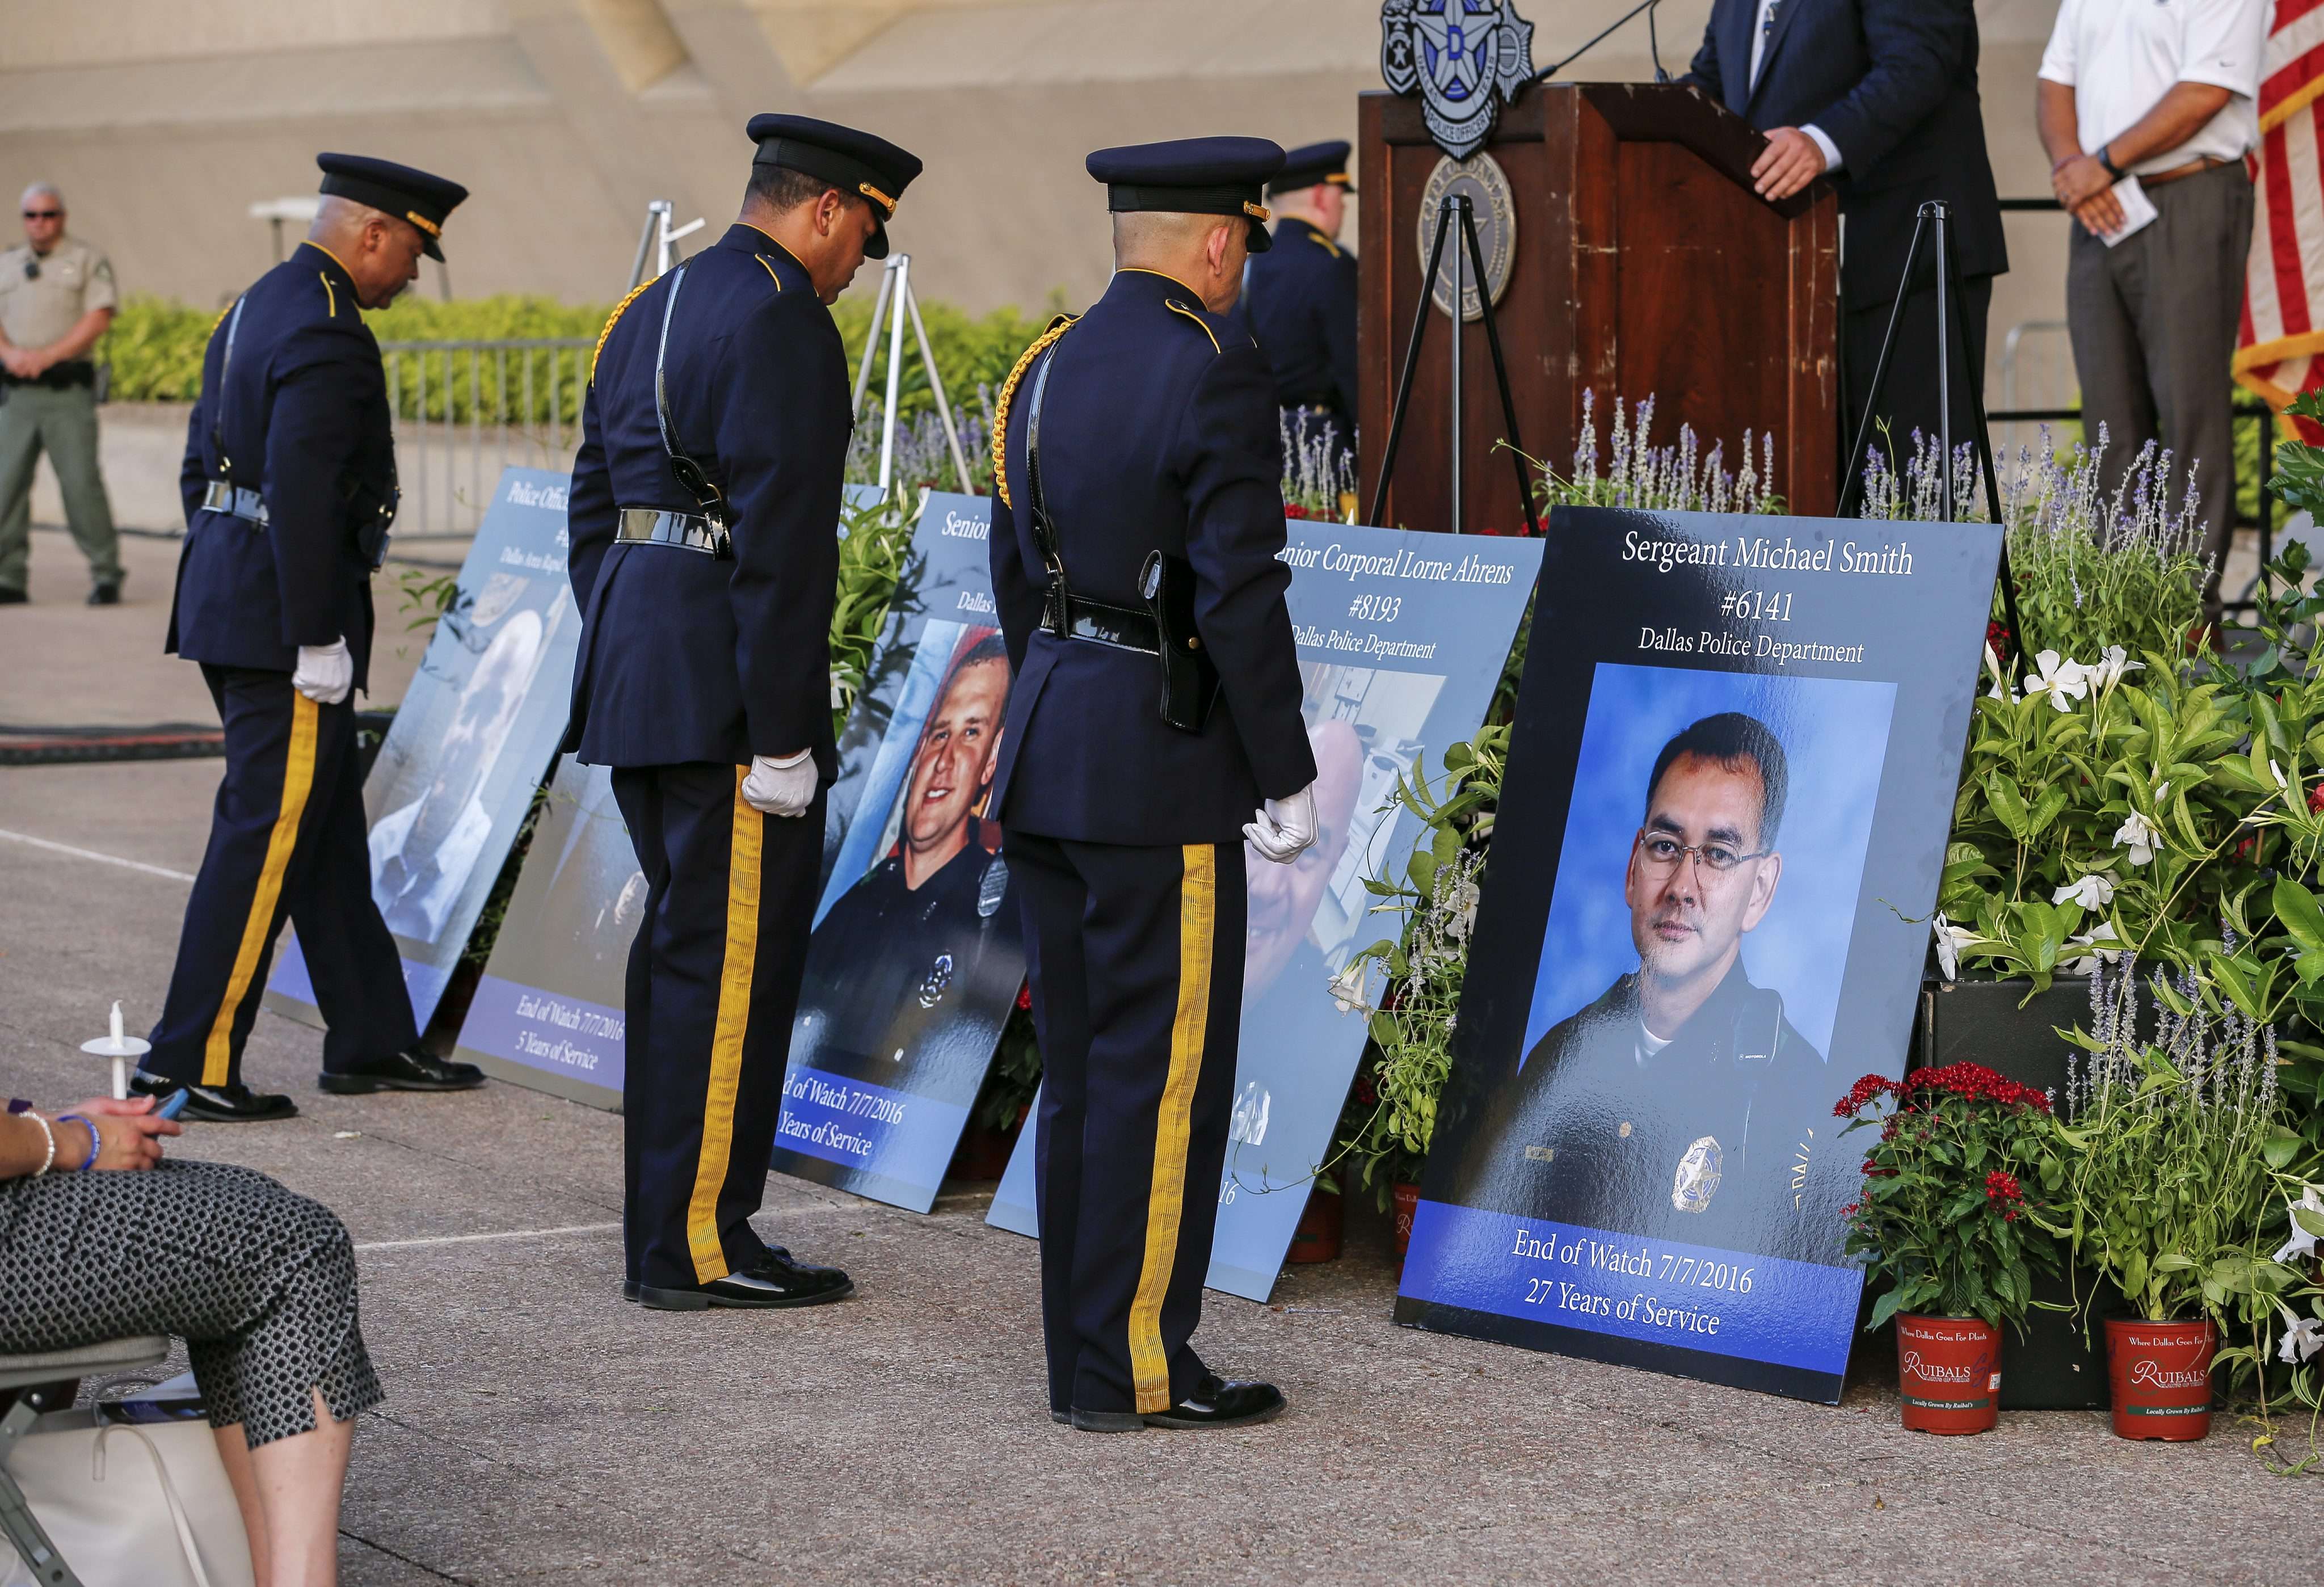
(1191, 176)
(851, 161)
(400, 191)
(1312, 165)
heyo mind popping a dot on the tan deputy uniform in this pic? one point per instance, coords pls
(42, 296)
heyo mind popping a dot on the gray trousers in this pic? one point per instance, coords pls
(64, 423)
(2154, 326)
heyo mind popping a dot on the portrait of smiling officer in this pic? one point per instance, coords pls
(1679, 1103)
(901, 951)
(704, 521)
(1155, 724)
(289, 481)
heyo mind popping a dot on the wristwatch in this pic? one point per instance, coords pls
(2107, 160)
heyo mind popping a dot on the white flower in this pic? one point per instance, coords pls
(1950, 940)
(2092, 892)
(1348, 988)
(2064, 681)
(2302, 1337)
(2093, 939)
(2276, 771)
(2110, 668)
(2302, 1243)
(2138, 834)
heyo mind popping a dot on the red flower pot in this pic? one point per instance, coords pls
(1317, 1238)
(1948, 1371)
(2161, 1376)
(1407, 1202)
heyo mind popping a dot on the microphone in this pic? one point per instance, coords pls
(1652, 44)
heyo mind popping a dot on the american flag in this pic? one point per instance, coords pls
(2279, 347)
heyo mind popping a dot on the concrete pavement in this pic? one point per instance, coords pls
(538, 1430)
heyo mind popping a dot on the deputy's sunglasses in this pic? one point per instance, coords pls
(44, 215)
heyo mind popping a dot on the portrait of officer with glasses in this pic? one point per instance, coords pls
(1681, 1104)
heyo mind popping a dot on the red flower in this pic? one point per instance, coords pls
(1293, 510)
(1025, 997)
(1862, 1094)
(2248, 846)
(2002, 1186)
(2316, 799)
(2010, 1216)
(1975, 1082)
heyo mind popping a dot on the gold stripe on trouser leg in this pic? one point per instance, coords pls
(726, 1038)
(1198, 910)
(298, 781)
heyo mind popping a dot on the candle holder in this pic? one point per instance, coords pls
(120, 1049)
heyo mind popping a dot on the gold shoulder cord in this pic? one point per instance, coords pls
(1057, 328)
(611, 320)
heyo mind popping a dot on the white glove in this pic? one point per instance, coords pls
(1284, 826)
(783, 786)
(324, 672)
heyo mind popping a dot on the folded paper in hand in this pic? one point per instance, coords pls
(2137, 211)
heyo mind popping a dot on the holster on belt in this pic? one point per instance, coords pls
(1189, 677)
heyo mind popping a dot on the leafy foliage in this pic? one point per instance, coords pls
(1944, 1218)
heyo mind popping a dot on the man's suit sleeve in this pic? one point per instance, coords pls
(1233, 477)
(1013, 592)
(314, 432)
(589, 517)
(1704, 71)
(783, 424)
(1918, 49)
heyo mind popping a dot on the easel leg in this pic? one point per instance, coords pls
(1411, 366)
(1500, 372)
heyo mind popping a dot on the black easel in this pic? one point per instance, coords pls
(1457, 206)
(1949, 286)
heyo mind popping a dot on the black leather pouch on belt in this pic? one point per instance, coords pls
(1190, 678)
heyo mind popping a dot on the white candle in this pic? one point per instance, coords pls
(117, 1020)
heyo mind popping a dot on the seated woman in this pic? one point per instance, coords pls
(259, 1283)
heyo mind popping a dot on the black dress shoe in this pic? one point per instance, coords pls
(773, 1280)
(630, 1287)
(12, 597)
(105, 595)
(1214, 1402)
(412, 1069)
(235, 1103)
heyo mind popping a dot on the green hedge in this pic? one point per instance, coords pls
(156, 343)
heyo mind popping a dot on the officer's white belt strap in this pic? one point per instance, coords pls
(656, 526)
(245, 504)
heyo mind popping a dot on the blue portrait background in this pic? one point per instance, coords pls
(1835, 737)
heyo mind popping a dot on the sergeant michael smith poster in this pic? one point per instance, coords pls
(1729, 794)
(1402, 638)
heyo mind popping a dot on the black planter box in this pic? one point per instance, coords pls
(2051, 1366)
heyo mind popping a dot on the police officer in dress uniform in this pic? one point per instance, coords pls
(57, 297)
(1134, 566)
(1301, 296)
(704, 521)
(290, 487)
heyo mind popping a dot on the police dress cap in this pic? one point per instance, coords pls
(395, 189)
(1311, 165)
(849, 161)
(1191, 176)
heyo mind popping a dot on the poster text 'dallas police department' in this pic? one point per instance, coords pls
(1704, 916)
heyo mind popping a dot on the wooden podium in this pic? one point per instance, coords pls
(1643, 263)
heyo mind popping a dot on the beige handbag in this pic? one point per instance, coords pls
(132, 1506)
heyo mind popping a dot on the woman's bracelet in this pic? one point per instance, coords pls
(51, 1160)
(95, 1141)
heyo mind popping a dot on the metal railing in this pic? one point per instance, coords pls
(465, 410)
(2247, 409)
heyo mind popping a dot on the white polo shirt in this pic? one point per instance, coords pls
(2120, 57)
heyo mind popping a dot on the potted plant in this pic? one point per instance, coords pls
(1946, 1223)
(2175, 1136)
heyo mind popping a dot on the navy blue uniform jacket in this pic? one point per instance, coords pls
(1301, 304)
(1893, 83)
(303, 416)
(685, 656)
(1159, 432)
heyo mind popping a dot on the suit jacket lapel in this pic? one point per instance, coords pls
(1784, 15)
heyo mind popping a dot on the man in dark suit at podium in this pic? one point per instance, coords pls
(1881, 96)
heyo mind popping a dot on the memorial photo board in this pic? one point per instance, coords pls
(917, 952)
(1704, 914)
(475, 730)
(1402, 638)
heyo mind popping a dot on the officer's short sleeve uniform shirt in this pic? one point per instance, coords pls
(39, 309)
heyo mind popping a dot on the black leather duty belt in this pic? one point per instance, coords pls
(1118, 626)
(655, 526)
(236, 502)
